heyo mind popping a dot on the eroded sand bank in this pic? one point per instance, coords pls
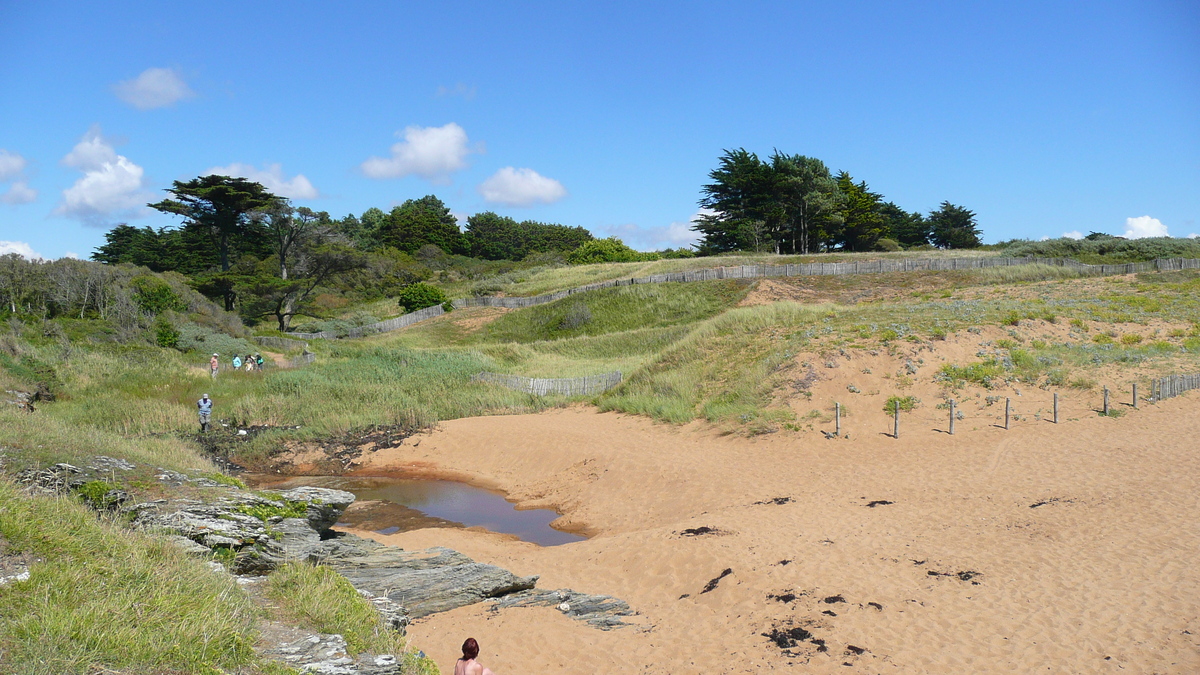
(959, 573)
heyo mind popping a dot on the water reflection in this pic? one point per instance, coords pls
(390, 505)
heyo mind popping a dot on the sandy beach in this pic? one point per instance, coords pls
(1062, 548)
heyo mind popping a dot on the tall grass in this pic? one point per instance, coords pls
(723, 370)
(105, 598)
(616, 309)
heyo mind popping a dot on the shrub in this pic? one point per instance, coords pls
(889, 245)
(907, 403)
(605, 251)
(1102, 339)
(419, 296)
(577, 315)
(1131, 339)
(154, 296)
(165, 334)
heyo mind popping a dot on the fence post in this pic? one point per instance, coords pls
(1106, 401)
(1135, 395)
(837, 419)
(896, 423)
(1056, 407)
(951, 417)
(1007, 411)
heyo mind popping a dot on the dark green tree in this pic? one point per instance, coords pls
(282, 299)
(862, 225)
(419, 222)
(809, 201)
(221, 207)
(740, 200)
(954, 227)
(908, 229)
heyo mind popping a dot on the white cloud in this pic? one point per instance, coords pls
(20, 248)
(1073, 234)
(521, 187)
(458, 89)
(19, 193)
(71, 254)
(656, 237)
(1144, 226)
(12, 168)
(154, 88)
(1193, 235)
(270, 177)
(12, 165)
(432, 153)
(111, 184)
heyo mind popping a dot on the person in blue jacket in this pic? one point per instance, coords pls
(237, 362)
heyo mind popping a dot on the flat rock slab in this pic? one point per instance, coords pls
(599, 611)
(323, 654)
(431, 581)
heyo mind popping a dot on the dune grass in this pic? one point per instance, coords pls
(108, 598)
(725, 369)
(615, 310)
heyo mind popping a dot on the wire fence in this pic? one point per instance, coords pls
(541, 386)
(1174, 385)
(762, 272)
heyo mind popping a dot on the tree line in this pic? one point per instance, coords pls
(794, 204)
(259, 255)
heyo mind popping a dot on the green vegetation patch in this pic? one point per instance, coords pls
(615, 310)
(265, 512)
(106, 599)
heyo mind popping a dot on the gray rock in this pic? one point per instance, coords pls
(298, 540)
(325, 506)
(599, 611)
(437, 589)
(102, 463)
(187, 545)
(326, 655)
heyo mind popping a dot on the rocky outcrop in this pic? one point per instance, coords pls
(430, 581)
(323, 654)
(599, 611)
(250, 527)
(324, 505)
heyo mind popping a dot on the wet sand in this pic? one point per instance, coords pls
(1044, 548)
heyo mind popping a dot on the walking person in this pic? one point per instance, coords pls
(205, 407)
(249, 363)
(237, 362)
(467, 665)
(213, 366)
(258, 362)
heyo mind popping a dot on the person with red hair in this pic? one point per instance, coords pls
(467, 665)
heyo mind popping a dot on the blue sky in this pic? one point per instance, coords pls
(1043, 117)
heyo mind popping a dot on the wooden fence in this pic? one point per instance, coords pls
(381, 327)
(765, 271)
(542, 386)
(279, 343)
(1174, 385)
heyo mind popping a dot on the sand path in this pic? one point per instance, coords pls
(1099, 577)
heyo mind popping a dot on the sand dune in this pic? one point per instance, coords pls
(1043, 548)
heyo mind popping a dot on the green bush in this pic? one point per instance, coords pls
(907, 403)
(419, 296)
(154, 296)
(165, 334)
(606, 251)
(1107, 250)
(889, 245)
